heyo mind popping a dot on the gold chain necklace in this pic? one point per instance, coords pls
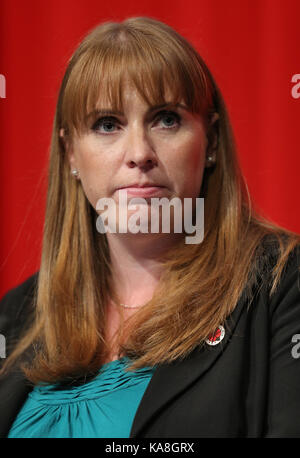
(127, 306)
(130, 306)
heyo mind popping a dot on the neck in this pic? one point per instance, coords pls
(136, 263)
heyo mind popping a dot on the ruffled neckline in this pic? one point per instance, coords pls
(111, 377)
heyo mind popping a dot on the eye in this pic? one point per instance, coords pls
(171, 119)
(105, 125)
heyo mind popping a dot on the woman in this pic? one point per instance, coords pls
(125, 334)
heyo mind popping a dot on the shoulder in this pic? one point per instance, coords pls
(275, 248)
(282, 297)
(277, 258)
(16, 304)
(273, 290)
(286, 295)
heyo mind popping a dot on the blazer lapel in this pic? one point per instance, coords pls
(169, 380)
(14, 390)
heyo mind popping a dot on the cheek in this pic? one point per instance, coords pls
(94, 175)
(194, 173)
(195, 158)
(195, 149)
(188, 166)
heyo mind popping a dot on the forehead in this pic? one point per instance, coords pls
(107, 86)
(131, 95)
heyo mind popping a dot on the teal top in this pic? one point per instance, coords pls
(103, 407)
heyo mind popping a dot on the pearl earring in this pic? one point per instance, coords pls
(75, 173)
(210, 160)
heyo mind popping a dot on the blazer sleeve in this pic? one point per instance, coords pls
(16, 310)
(284, 371)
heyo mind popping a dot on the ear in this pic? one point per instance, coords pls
(213, 140)
(68, 149)
(213, 133)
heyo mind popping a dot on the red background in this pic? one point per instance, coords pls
(252, 48)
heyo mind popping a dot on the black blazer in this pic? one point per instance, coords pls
(248, 385)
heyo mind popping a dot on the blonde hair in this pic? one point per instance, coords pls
(201, 284)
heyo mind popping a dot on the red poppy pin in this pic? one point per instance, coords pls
(216, 336)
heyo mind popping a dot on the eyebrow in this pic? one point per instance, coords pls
(109, 112)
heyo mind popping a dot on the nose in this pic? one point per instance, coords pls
(139, 150)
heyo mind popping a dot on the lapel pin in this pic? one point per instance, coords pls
(216, 336)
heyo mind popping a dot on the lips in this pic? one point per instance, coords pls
(141, 185)
(143, 190)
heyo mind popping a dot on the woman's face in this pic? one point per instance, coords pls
(146, 145)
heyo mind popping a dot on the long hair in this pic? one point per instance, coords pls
(200, 284)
